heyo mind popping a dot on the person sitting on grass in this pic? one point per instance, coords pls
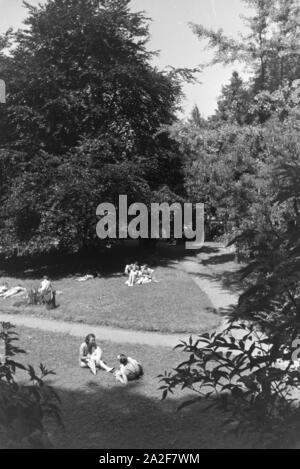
(90, 355)
(3, 288)
(47, 293)
(146, 270)
(45, 286)
(142, 278)
(145, 275)
(130, 369)
(94, 358)
(133, 271)
(128, 268)
(151, 273)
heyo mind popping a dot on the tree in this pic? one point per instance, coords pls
(270, 50)
(229, 166)
(234, 102)
(83, 69)
(195, 118)
(84, 112)
(249, 369)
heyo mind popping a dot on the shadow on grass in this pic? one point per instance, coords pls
(109, 263)
(221, 259)
(120, 417)
(229, 280)
(99, 413)
(209, 250)
(233, 281)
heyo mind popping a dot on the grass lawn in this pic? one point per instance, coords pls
(100, 413)
(175, 304)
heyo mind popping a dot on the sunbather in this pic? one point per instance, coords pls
(3, 288)
(13, 292)
(85, 278)
(142, 278)
(148, 272)
(90, 355)
(94, 358)
(133, 272)
(47, 293)
(128, 268)
(45, 286)
(130, 369)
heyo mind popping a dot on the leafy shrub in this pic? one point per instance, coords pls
(247, 370)
(245, 374)
(24, 408)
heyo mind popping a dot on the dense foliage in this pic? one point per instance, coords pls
(244, 164)
(237, 368)
(84, 105)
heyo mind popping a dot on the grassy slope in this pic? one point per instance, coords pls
(100, 413)
(175, 304)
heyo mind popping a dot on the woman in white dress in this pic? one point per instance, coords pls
(90, 355)
(133, 272)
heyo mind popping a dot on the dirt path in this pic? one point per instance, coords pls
(205, 276)
(103, 333)
(219, 297)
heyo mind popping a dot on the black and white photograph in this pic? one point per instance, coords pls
(149, 228)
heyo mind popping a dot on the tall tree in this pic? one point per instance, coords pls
(234, 102)
(83, 100)
(195, 118)
(271, 48)
(81, 68)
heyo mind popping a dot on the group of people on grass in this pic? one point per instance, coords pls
(45, 294)
(139, 275)
(90, 356)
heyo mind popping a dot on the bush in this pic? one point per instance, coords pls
(245, 374)
(25, 409)
(251, 387)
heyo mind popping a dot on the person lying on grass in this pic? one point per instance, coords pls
(130, 369)
(14, 291)
(90, 355)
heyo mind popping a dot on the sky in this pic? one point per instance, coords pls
(172, 36)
